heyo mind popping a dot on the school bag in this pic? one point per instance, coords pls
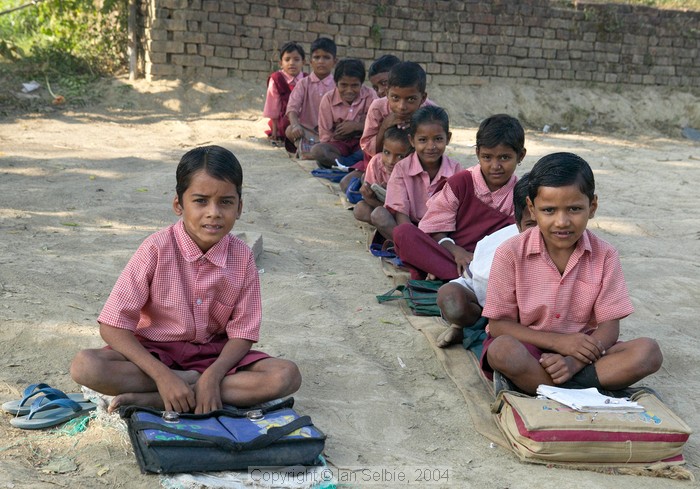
(226, 439)
(420, 296)
(541, 430)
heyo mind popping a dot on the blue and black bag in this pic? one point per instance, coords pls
(226, 439)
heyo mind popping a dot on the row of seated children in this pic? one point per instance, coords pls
(436, 214)
(555, 298)
(294, 101)
(577, 347)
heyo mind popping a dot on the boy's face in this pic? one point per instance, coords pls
(292, 63)
(526, 221)
(393, 152)
(404, 101)
(430, 142)
(209, 209)
(562, 214)
(322, 63)
(380, 83)
(349, 88)
(498, 164)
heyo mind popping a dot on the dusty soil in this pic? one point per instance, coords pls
(80, 188)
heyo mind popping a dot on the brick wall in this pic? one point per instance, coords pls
(457, 42)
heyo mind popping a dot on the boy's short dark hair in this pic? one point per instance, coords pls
(429, 114)
(324, 44)
(349, 67)
(290, 47)
(561, 170)
(520, 197)
(501, 129)
(382, 64)
(407, 74)
(218, 162)
(397, 134)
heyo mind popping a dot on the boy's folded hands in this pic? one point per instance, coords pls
(559, 368)
(583, 347)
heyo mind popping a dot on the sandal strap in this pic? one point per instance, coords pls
(39, 405)
(49, 393)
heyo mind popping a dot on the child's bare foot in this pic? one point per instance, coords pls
(149, 399)
(451, 336)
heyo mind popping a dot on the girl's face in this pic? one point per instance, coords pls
(393, 152)
(209, 209)
(498, 164)
(292, 63)
(430, 141)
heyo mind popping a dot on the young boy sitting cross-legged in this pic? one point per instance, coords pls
(556, 294)
(185, 311)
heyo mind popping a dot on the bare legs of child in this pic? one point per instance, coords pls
(460, 308)
(622, 365)
(109, 372)
(325, 155)
(345, 182)
(384, 222)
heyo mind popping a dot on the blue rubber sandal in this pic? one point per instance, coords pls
(331, 174)
(47, 414)
(21, 407)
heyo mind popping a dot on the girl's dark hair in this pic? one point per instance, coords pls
(218, 162)
(428, 114)
(407, 74)
(520, 197)
(396, 134)
(382, 64)
(501, 129)
(290, 47)
(561, 170)
(349, 67)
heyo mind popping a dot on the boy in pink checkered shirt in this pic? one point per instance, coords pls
(181, 319)
(556, 295)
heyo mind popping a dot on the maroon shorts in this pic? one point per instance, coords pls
(346, 147)
(183, 355)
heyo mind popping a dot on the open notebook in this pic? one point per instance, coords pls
(588, 400)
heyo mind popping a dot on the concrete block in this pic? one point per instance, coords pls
(254, 242)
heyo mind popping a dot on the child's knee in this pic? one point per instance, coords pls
(83, 365)
(506, 353)
(362, 212)
(451, 300)
(287, 377)
(650, 355)
(294, 377)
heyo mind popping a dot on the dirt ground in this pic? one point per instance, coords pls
(80, 189)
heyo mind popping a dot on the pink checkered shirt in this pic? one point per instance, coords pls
(442, 206)
(171, 291)
(525, 285)
(376, 172)
(410, 186)
(305, 99)
(334, 110)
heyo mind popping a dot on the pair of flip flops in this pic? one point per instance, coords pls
(49, 407)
